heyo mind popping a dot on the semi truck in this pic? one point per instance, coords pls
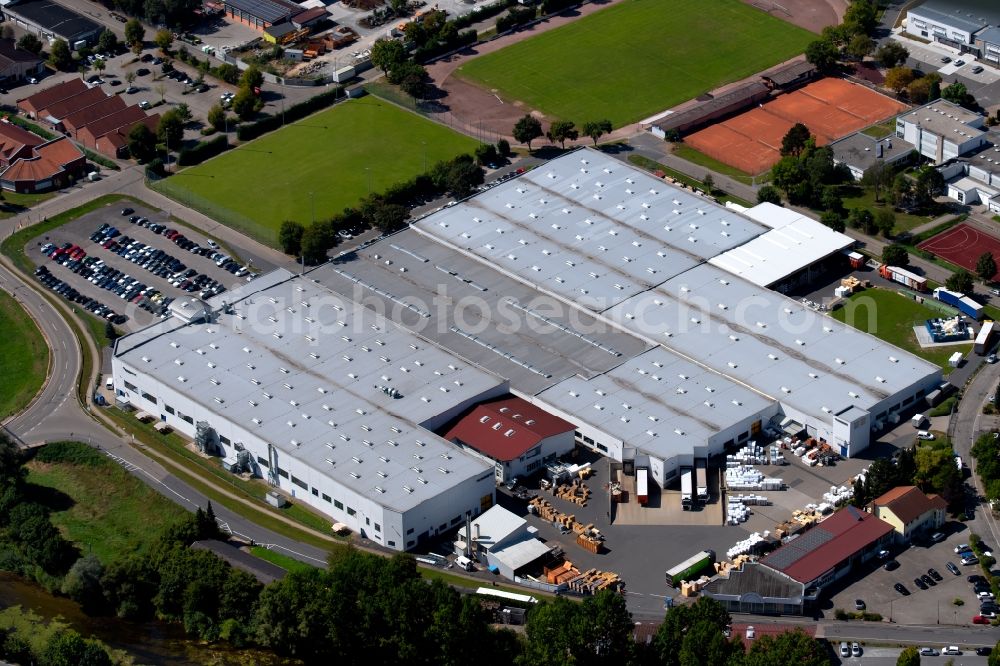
(642, 485)
(701, 478)
(903, 276)
(691, 568)
(961, 302)
(686, 488)
(983, 342)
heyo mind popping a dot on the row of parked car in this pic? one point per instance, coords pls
(210, 249)
(160, 264)
(121, 284)
(72, 295)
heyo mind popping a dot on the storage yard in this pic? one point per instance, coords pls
(830, 108)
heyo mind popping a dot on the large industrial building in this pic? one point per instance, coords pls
(634, 310)
(968, 25)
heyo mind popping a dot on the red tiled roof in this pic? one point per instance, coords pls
(118, 138)
(71, 105)
(31, 169)
(767, 629)
(504, 429)
(309, 15)
(909, 503)
(59, 151)
(127, 116)
(50, 96)
(90, 114)
(13, 139)
(826, 545)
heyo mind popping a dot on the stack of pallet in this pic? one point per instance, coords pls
(563, 573)
(576, 492)
(593, 581)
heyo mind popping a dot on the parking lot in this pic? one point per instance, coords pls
(140, 271)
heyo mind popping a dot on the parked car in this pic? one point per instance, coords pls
(950, 566)
(959, 63)
(951, 650)
(978, 69)
(855, 650)
(934, 574)
(970, 560)
(962, 547)
(945, 59)
(928, 652)
(845, 649)
(859, 604)
(984, 651)
(901, 589)
(920, 583)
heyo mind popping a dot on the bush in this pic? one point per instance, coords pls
(515, 17)
(841, 614)
(203, 150)
(958, 601)
(74, 453)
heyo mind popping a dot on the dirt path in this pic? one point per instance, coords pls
(813, 15)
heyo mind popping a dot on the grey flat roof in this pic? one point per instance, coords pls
(302, 368)
(271, 11)
(659, 402)
(988, 159)
(945, 119)
(61, 20)
(968, 15)
(478, 313)
(759, 337)
(589, 228)
(989, 35)
(860, 150)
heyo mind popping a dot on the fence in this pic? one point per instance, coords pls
(544, 587)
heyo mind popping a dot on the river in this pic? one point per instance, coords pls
(147, 642)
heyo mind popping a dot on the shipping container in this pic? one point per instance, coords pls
(686, 488)
(642, 485)
(983, 342)
(856, 259)
(961, 302)
(701, 478)
(690, 568)
(903, 276)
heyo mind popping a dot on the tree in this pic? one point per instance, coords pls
(100, 65)
(861, 17)
(957, 93)
(960, 281)
(928, 184)
(170, 130)
(861, 218)
(885, 221)
(769, 194)
(82, 583)
(31, 43)
(217, 117)
(986, 267)
(164, 39)
(994, 658)
(134, 34)
(860, 46)
(160, 90)
(898, 78)
(252, 79)
(935, 89)
(709, 183)
(503, 147)
(107, 42)
(317, 239)
(680, 621)
(129, 77)
(561, 130)
(790, 647)
(794, 141)
(919, 90)
(823, 54)
(290, 237)
(245, 104)
(878, 177)
(183, 112)
(486, 153)
(830, 200)
(895, 255)
(527, 129)
(892, 54)
(141, 142)
(60, 56)
(387, 53)
(414, 81)
(833, 219)
(595, 129)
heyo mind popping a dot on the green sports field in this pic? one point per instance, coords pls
(636, 58)
(329, 160)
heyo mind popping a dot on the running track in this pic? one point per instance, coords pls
(962, 245)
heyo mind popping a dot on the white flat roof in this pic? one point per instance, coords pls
(309, 371)
(763, 339)
(794, 242)
(589, 228)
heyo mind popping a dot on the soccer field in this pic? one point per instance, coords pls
(633, 59)
(328, 161)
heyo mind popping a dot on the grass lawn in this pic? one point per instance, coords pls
(284, 561)
(14, 202)
(101, 507)
(636, 58)
(23, 359)
(890, 316)
(856, 197)
(701, 159)
(315, 167)
(880, 130)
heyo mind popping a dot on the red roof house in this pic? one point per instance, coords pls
(51, 165)
(15, 143)
(56, 112)
(115, 143)
(127, 117)
(515, 433)
(79, 119)
(46, 98)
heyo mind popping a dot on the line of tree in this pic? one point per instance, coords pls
(851, 39)
(528, 128)
(386, 211)
(930, 466)
(921, 88)
(807, 175)
(390, 55)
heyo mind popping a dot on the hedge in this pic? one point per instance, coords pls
(477, 15)
(203, 150)
(292, 113)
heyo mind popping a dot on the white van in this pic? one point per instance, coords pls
(924, 435)
(109, 383)
(464, 563)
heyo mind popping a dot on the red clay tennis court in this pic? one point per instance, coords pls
(962, 245)
(830, 108)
